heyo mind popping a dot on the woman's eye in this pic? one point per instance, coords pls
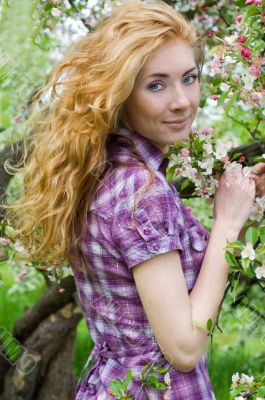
(153, 86)
(193, 78)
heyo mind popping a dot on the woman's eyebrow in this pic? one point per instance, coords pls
(164, 75)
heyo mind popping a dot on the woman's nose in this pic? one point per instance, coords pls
(179, 99)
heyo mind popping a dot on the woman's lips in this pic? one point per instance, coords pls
(177, 124)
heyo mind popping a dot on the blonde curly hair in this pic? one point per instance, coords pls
(66, 157)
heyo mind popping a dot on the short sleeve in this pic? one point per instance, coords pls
(146, 225)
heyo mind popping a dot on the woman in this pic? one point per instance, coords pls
(147, 273)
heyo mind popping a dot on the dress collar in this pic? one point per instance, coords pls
(152, 155)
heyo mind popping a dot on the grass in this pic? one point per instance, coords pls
(238, 349)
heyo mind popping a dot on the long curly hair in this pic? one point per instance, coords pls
(65, 155)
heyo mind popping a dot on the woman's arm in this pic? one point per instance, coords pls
(160, 282)
(171, 310)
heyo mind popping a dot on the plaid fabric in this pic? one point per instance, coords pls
(112, 245)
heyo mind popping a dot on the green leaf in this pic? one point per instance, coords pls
(161, 370)
(251, 10)
(48, 7)
(231, 102)
(251, 235)
(245, 263)
(202, 101)
(222, 98)
(230, 259)
(185, 184)
(116, 387)
(261, 391)
(128, 377)
(235, 156)
(209, 324)
(262, 235)
(155, 382)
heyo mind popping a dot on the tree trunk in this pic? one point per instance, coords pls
(46, 336)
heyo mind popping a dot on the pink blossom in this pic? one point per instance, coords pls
(215, 97)
(202, 17)
(248, 2)
(242, 158)
(258, 2)
(5, 242)
(207, 131)
(61, 290)
(17, 118)
(210, 33)
(184, 152)
(245, 53)
(258, 61)
(21, 276)
(254, 70)
(239, 18)
(241, 39)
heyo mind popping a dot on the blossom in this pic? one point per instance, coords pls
(209, 33)
(239, 18)
(215, 97)
(239, 398)
(258, 209)
(21, 276)
(248, 252)
(236, 78)
(208, 148)
(242, 158)
(258, 2)
(56, 12)
(245, 53)
(224, 87)
(221, 151)
(167, 378)
(17, 118)
(235, 379)
(248, 2)
(246, 379)
(253, 70)
(61, 290)
(241, 39)
(260, 272)
(5, 242)
(184, 152)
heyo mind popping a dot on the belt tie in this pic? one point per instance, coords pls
(101, 351)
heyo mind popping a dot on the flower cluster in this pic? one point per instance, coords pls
(202, 160)
(246, 386)
(248, 257)
(240, 62)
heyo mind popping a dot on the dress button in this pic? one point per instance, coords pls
(147, 231)
(156, 246)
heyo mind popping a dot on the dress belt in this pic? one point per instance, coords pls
(101, 351)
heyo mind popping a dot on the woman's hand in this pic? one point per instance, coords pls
(258, 175)
(234, 197)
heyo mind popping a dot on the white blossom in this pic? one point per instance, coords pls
(235, 379)
(246, 379)
(260, 272)
(224, 87)
(248, 252)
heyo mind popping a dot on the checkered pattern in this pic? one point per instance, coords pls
(115, 242)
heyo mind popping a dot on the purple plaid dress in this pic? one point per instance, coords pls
(113, 245)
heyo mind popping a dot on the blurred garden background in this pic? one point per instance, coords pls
(33, 36)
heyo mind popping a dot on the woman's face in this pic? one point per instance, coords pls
(165, 97)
